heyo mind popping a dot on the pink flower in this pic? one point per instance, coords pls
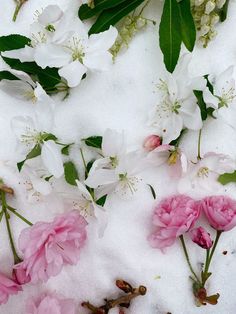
(48, 246)
(50, 303)
(7, 288)
(220, 212)
(19, 275)
(151, 142)
(173, 217)
(201, 237)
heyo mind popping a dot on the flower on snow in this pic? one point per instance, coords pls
(50, 303)
(177, 106)
(34, 132)
(7, 287)
(68, 47)
(47, 246)
(24, 88)
(223, 99)
(201, 177)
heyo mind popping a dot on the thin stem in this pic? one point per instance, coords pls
(84, 162)
(1, 215)
(145, 5)
(7, 217)
(187, 258)
(199, 145)
(13, 210)
(19, 4)
(207, 265)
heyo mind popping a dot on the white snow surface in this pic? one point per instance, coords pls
(120, 99)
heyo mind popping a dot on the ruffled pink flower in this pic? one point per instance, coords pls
(173, 217)
(50, 303)
(151, 142)
(201, 237)
(7, 287)
(48, 246)
(220, 212)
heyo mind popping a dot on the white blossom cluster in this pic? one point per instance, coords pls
(206, 16)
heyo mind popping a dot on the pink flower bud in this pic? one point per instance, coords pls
(19, 275)
(201, 237)
(151, 142)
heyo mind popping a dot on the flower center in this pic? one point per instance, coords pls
(203, 172)
(114, 162)
(32, 136)
(76, 48)
(38, 38)
(30, 95)
(227, 97)
(84, 207)
(128, 183)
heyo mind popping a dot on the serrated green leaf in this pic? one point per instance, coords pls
(71, 173)
(188, 29)
(6, 75)
(12, 42)
(223, 12)
(65, 149)
(36, 151)
(48, 137)
(102, 200)
(85, 11)
(201, 103)
(93, 141)
(227, 178)
(170, 34)
(47, 77)
(113, 15)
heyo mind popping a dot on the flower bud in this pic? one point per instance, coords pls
(151, 142)
(19, 275)
(210, 6)
(201, 237)
(220, 3)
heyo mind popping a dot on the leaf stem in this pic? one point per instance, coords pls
(187, 258)
(19, 4)
(13, 210)
(199, 145)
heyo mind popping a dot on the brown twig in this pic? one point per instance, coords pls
(6, 189)
(19, 4)
(122, 301)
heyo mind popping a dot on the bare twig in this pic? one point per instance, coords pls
(122, 301)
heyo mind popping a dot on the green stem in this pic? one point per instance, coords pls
(199, 145)
(13, 210)
(7, 217)
(84, 162)
(17, 9)
(187, 258)
(210, 255)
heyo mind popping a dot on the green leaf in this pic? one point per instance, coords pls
(113, 15)
(102, 200)
(65, 149)
(188, 29)
(36, 151)
(71, 173)
(13, 41)
(93, 141)
(227, 178)
(48, 137)
(209, 85)
(201, 104)
(47, 77)
(170, 34)
(6, 75)
(152, 191)
(85, 11)
(223, 12)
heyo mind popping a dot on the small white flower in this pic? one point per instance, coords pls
(177, 107)
(224, 98)
(201, 177)
(32, 131)
(24, 88)
(61, 41)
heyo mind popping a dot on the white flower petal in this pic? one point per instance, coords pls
(103, 41)
(25, 54)
(171, 128)
(73, 73)
(209, 99)
(18, 89)
(50, 14)
(102, 219)
(98, 61)
(101, 177)
(82, 189)
(191, 115)
(22, 76)
(52, 159)
(51, 55)
(20, 125)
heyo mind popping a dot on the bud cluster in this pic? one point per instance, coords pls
(206, 16)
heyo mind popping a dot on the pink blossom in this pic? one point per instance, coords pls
(201, 237)
(173, 217)
(50, 304)
(48, 246)
(220, 212)
(151, 142)
(19, 275)
(7, 287)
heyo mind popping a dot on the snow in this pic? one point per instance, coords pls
(120, 99)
